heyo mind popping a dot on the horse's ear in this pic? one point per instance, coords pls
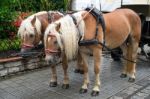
(58, 26)
(33, 20)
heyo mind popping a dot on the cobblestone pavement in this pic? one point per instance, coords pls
(35, 84)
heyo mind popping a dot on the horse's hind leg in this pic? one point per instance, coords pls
(53, 80)
(129, 53)
(124, 50)
(132, 54)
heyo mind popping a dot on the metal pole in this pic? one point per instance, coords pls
(121, 2)
(100, 5)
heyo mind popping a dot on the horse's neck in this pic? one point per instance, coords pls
(44, 23)
(44, 19)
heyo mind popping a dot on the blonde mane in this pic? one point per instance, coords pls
(68, 34)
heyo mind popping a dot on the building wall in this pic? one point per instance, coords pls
(104, 5)
(18, 65)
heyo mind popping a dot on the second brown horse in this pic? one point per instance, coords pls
(122, 28)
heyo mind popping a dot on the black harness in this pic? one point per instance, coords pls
(99, 20)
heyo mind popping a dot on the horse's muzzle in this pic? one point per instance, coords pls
(51, 59)
(24, 50)
(26, 47)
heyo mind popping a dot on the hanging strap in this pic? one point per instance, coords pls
(49, 17)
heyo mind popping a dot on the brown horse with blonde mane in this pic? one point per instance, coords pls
(121, 27)
(31, 30)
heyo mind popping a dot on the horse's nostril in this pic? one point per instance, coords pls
(48, 62)
(23, 50)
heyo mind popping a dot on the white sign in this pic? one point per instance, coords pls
(104, 5)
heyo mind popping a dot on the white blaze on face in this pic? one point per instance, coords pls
(48, 57)
(49, 39)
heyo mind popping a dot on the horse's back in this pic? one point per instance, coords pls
(120, 23)
(121, 15)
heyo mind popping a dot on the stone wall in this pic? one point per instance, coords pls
(13, 65)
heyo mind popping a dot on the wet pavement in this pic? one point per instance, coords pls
(35, 84)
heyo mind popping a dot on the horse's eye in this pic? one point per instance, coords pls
(31, 35)
(55, 42)
(19, 35)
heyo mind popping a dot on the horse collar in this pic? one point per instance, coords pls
(100, 20)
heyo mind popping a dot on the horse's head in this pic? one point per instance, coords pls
(52, 43)
(61, 36)
(30, 33)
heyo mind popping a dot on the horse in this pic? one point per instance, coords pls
(31, 30)
(81, 33)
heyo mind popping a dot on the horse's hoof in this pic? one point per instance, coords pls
(116, 59)
(77, 70)
(131, 80)
(123, 75)
(95, 93)
(82, 91)
(65, 86)
(53, 84)
(81, 71)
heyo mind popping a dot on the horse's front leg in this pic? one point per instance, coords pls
(97, 60)
(53, 80)
(79, 68)
(66, 77)
(84, 87)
